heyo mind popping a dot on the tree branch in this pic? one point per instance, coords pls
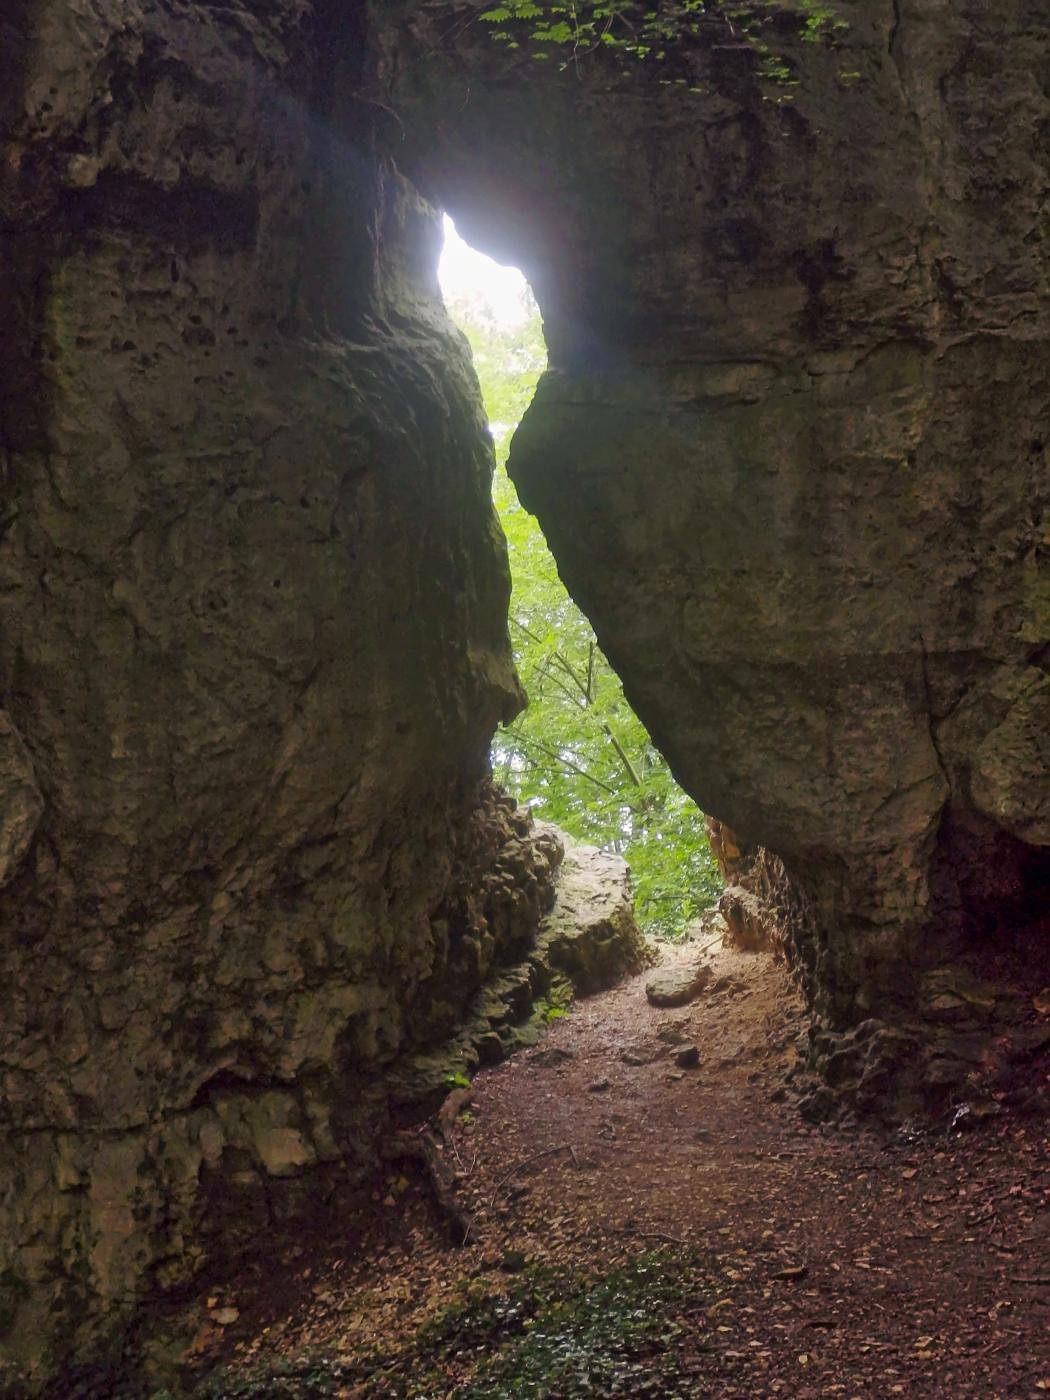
(560, 758)
(622, 754)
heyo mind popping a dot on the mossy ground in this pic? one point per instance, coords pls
(549, 1331)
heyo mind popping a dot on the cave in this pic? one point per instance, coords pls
(790, 455)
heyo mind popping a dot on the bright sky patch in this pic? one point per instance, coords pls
(498, 293)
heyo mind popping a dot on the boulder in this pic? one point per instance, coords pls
(677, 986)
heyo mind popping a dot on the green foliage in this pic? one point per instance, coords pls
(308, 1375)
(632, 31)
(557, 1331)
(556, 1003)
(579, 754)
(553, 1331)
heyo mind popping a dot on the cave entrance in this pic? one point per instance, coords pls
(579, 755)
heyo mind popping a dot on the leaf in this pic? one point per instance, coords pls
(554, 34)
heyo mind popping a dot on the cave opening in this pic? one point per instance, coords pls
(578, 755)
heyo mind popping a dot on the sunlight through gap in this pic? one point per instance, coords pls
(579, 753)
(498, 293)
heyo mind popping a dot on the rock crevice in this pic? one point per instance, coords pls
(790, 455)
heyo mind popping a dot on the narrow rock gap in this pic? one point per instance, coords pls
(578, 755)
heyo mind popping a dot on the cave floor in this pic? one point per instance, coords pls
(809, 1261)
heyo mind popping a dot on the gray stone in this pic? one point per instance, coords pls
(590, 935)
(677, 986)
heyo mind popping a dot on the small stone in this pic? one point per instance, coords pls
(688, 1058)
(82, 171)
(678, 985)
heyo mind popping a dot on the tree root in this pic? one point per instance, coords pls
(422, 1147)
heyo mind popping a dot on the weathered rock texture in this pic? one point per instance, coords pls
(253, 646)
(586, 941)
(791, 453)
(791, 456)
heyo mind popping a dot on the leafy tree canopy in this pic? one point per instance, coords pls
(579, 754)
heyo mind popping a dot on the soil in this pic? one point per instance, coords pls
(825, 1261)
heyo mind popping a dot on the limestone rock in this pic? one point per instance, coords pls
(750, 924)
(587, 940)
(21, 805)
(677, 986)
(253, 650)
(590, 935)
(794, 465)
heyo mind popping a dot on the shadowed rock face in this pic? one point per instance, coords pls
(253, 644)
(791, 451)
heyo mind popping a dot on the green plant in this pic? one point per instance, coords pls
(570, 1333)
(579, 754)
(634, 32)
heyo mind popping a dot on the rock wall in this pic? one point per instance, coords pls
(253, 646)
(791, 456)
(791, 452)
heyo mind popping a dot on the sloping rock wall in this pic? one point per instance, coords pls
(253, 645)
(791, 452)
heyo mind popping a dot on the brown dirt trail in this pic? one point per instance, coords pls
(839, 1262)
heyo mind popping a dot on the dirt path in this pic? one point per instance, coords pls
(822, 1262)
